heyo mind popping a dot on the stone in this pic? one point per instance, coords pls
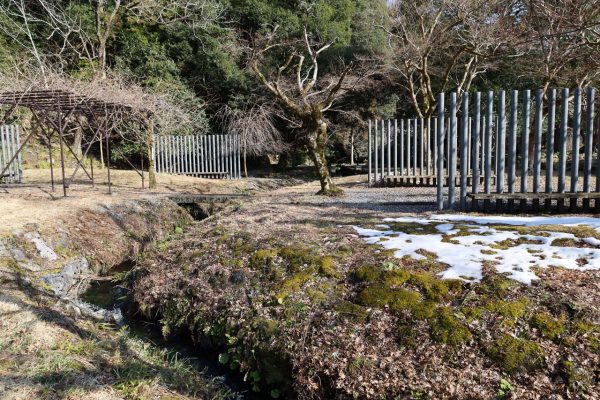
(43, 249)
(70, 275)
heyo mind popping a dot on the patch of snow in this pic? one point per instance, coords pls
(592, 241)
(447, 229)
(466, 255)
(382, 226)
(412, 220)
(522, 221)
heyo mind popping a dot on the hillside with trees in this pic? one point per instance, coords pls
(224, 62)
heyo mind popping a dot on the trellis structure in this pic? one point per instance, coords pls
(54, 109)
(537, 154)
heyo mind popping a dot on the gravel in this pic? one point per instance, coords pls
(359, 196)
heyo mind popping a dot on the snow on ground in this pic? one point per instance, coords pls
(476, 244)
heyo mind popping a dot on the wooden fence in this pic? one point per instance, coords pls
(208, 156)
(539, 153)
(11, 166)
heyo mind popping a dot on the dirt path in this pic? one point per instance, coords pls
(358, 195)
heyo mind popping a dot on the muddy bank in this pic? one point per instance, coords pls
(306, 309)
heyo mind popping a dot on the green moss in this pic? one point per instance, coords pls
(344, 251)
(294, 283)
(508, 243)
(367, 273)
(488, 252)
(434, 288)
(319, 293)
(446, 328)
(380, 295)
(472, 313)
(353, 311)
(267, 327)
(413, 228)
(396, 277)
(241, 246)
(495, 285)
(298, 257)
(548, 326)
(327, 267)
(262, 258)
(516, 354)
(575, 378)
(424, 310)
(508, 309)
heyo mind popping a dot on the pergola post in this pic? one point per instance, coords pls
(62, 152)
(107, 136)
(51, 162)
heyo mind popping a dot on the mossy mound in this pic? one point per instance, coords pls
(342, 312)
(516, 354)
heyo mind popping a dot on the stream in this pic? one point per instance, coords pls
(109, 294)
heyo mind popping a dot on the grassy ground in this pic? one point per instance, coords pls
(45, 353)
(47, 349)
(305, 308)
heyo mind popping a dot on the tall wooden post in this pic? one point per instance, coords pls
(151, 154)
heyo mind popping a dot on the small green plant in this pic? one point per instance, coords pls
(505, 390)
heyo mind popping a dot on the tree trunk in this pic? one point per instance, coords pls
(78, 137)
(316, 145)
(245, 162)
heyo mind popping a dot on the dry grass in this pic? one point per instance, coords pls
(47, 351)
(47, 354)
(35, 202)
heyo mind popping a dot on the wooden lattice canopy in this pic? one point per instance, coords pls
(61, 101)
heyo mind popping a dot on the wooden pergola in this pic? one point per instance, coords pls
(54, 109)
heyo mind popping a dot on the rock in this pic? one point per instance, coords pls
(62, 282)
(9, 250)
(73, 310)
(43, 249)
(114, 316)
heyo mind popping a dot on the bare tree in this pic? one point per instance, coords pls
(255, 125)
(562, 39)
(22, 18)
(441, 45)
(306, 95)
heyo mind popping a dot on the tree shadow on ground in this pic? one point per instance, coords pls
(98, 370)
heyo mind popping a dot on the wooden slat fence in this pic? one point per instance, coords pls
(208, 156)
(532, 150)
(402, 152)
(9, 163)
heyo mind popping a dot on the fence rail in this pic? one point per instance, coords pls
(541, 146)
(11, 165)
(208, 156)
